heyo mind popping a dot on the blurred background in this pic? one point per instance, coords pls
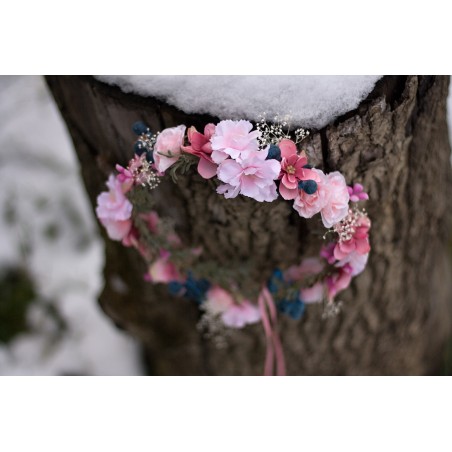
(51, 256)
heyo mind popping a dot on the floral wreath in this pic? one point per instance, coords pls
(262, 164)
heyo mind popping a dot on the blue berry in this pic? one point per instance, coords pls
(308, 166)
(138, 148)
(139, 128)
(175, 287)
(308, 186)
(274, 153)
(275, 280)
(150, 156)
(195, 289)
(294, 309)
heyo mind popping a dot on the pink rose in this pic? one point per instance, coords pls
(114, 210)
(231, 138)
(251, 176)
(168, 141)
(336, 206)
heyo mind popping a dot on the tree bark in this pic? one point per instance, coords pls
(396, 314)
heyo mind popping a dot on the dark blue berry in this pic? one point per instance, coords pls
(275, 280)
(139, 127)
(274, 153)
(138, 148)
(195, 289)
(175, 287)
(308, 186)
(308, 166)
(294, 309)
(150, 156)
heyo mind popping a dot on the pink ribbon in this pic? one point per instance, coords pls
(274, 347)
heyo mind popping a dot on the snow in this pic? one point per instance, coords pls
(312, 101)
(40, 181)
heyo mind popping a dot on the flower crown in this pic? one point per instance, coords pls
(262, 164)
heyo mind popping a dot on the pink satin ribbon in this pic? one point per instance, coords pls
(275, 353)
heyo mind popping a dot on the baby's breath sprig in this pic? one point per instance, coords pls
(278, 129)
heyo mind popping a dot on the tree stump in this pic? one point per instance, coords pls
(396, 314)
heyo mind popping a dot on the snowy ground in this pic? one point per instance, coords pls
(47, 229)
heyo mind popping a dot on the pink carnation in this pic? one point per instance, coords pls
(231, 138)
(251, 176)
(220, 302)
(201, 147)
(114, 210)
(168, 141)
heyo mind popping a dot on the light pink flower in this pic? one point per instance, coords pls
(239, 315)
(251, 176)
(308, 205)
(292, 170)
(168, 141)
(357, 193)
(336, 206)
(359, 241)
(231, 138)
(218, 300)
(201, 147)
(163, 270)
(114, 210)
(234, 315)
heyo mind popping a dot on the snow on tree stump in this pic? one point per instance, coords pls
(396, 314)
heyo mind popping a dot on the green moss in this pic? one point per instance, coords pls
(16, 295)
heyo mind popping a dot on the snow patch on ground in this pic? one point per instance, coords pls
(312, 101)
(50, 231)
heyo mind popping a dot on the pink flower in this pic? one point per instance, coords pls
(327, 252)
(356, 261)
(201, 147)
(220, 302)
(308, 205)
(359, 241)
(292, 170)
(339, 281)
(357, 193)
(114, 210)
(251, 176)
(336, 206)
(169, 141)
(231, 138)
(239, 315)
(163, 271)
(308, 267)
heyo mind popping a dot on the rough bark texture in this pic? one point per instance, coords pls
(397, 313)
